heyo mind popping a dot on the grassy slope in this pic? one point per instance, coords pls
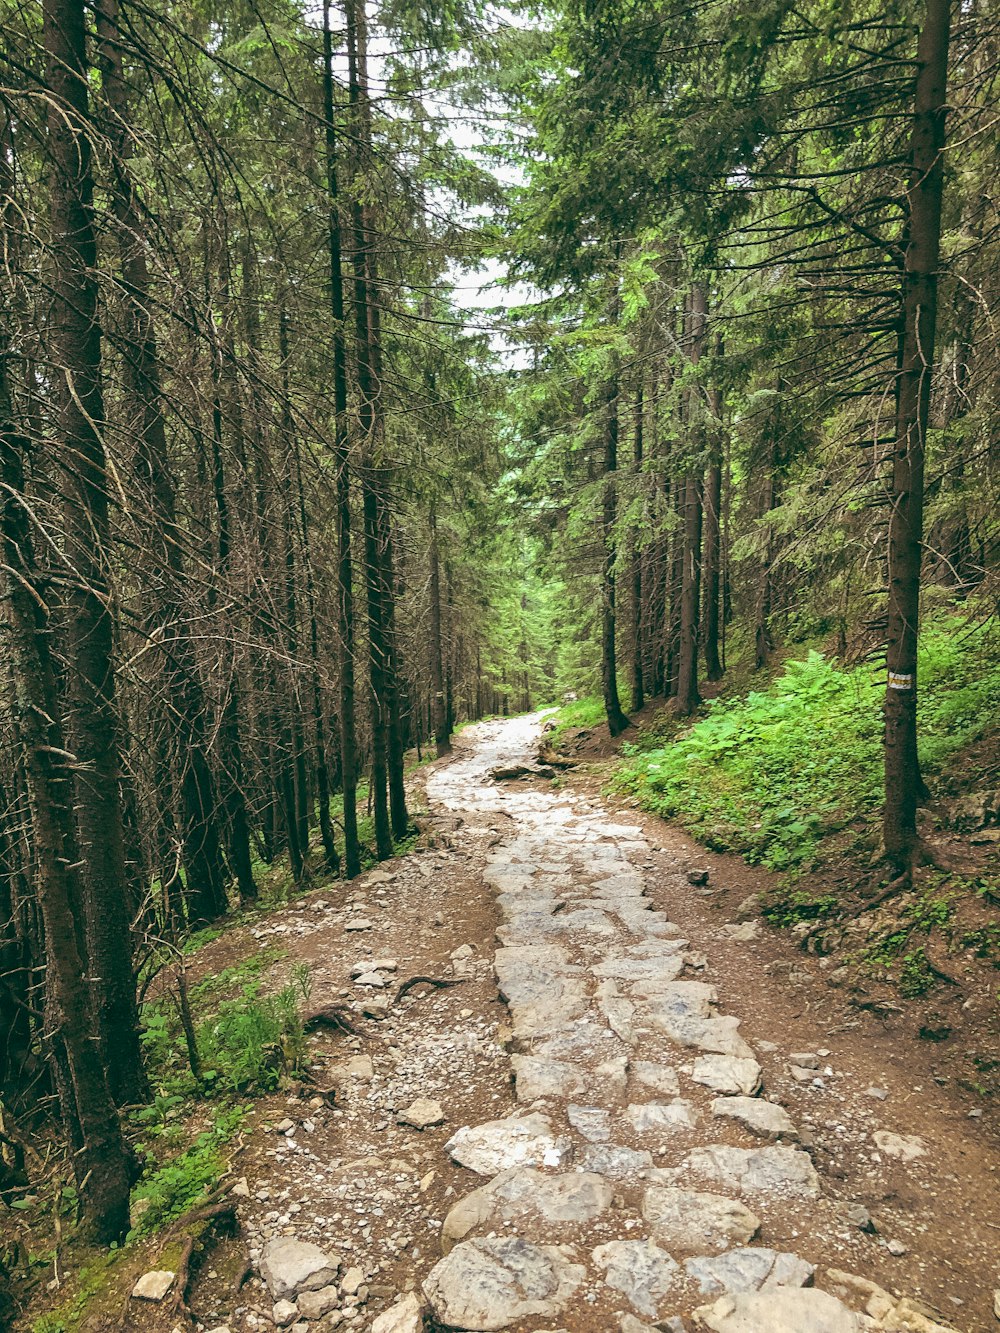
(772, 774)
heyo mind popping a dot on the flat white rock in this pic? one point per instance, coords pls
(691, 1221)
(784, 1309)
(904, 1147)
(497, 1145)
(661, 1078)
(765, 1119)
(729, 1074)
(662, 1117)
(751, 1170)
(749, 1269)
(537, 1076)
(522, 1193)
(487, 1284)
(639, 1269)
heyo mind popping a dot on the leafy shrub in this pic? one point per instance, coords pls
(771, 774)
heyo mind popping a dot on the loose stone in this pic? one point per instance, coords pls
(764, 1119)
(691, 1221)
(728, 1074)
(316, 1304)
(639, 1269)
(422, 1114)
(153, 1286)
(487, 1284)
(405, 1316)
(289, 1266)
(284, 1313)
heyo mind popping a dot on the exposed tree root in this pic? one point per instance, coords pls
(330, 1016)
(438, 983)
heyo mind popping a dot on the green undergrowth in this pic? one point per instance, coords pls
(771, 774)
(579, 715)
(247, 1041)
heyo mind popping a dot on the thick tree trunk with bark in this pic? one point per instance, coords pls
(763, 637)
(687, 697)
(92, 720)
(638, 638)
(345, 578)
(617, 721)
(442, 737)
(713, 541)
(102, 1164)
(370, 421)
(187, 708)
(919, 322)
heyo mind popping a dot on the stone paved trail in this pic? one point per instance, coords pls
(645, 1162)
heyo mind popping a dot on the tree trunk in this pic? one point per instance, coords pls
(91, 721)
(617, 721)
(183, 689)
(713, 540)
(298, 813)
(442, 738)
(370, 420)
(398, 814)
(763, 639)
(687, 697)
(919, 319)
(102, 1164)
(345, 577)
(638, 645)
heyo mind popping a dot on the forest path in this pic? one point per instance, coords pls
(647, 1165)
(655, 1163)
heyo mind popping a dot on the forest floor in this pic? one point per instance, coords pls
(623, 982)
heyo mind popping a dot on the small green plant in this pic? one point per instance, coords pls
(254, 1038)
(916, 977)
(795, 905)
(579, 715)
(172, 1188)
